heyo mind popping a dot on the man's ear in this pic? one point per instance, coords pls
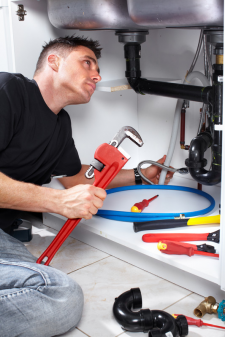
(53, 62)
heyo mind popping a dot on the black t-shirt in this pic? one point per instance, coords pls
(35, 143)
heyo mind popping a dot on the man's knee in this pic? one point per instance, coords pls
(64, 300)
(75, 303)
(49, 303)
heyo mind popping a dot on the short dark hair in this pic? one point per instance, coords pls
(64, 45)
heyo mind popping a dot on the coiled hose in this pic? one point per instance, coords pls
(140, 217)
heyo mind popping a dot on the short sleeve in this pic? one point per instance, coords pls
(69, 163)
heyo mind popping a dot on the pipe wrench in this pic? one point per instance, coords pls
(108, 161)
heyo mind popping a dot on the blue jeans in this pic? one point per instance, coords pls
(35, 300)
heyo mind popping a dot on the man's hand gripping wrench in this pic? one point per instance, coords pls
(107, 163)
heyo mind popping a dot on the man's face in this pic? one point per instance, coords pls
(78, 74)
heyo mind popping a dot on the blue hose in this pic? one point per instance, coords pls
(140, 217)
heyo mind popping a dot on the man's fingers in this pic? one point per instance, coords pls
(100, 193)
(93, 209)
(88, 211)
(170, 174)
(166, 182)
(97, 202)
(162, 160)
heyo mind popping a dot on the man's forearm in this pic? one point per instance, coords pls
(81, 201)
(79, 178)
(26, 197)
(123, 178)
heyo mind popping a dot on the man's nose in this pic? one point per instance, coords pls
(96, 77)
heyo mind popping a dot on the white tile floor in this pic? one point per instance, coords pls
(104, 277)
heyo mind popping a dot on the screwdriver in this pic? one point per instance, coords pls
(139, 206)
(178, 248)
(198, 322)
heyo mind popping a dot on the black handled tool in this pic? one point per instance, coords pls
(174, 223)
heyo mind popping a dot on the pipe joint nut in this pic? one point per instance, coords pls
(155, 333)
(137, 299)
(196, 165)
(182, 325)
(146, 319)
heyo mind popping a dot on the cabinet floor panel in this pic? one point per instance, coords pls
(117, 234)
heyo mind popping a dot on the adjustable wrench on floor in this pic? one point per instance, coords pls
(107, 163)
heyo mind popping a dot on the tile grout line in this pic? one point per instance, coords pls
(122, 333)
(88, 264)
(179, 300)
(83, 332)
(153, 274)
(100, 250)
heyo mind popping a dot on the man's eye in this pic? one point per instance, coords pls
(88, 62)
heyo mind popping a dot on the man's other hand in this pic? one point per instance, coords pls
(153, 172)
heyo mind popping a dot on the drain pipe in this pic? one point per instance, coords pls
(199, 144)
(146, 320)
(132, 52)
(176, 120)
(208, 95)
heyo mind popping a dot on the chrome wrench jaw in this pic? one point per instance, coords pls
(89, 174)
(124, 132)
(94, 164)
(136, 138)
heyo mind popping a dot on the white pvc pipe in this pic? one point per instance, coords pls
(176, 121)
(196, 74)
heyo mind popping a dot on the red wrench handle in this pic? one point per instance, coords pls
(63, 234)
(113, 160)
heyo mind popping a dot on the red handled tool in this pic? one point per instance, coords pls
(178, 248)
(107, 163)
(156, 237)
(199, 322)
(140, 206)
